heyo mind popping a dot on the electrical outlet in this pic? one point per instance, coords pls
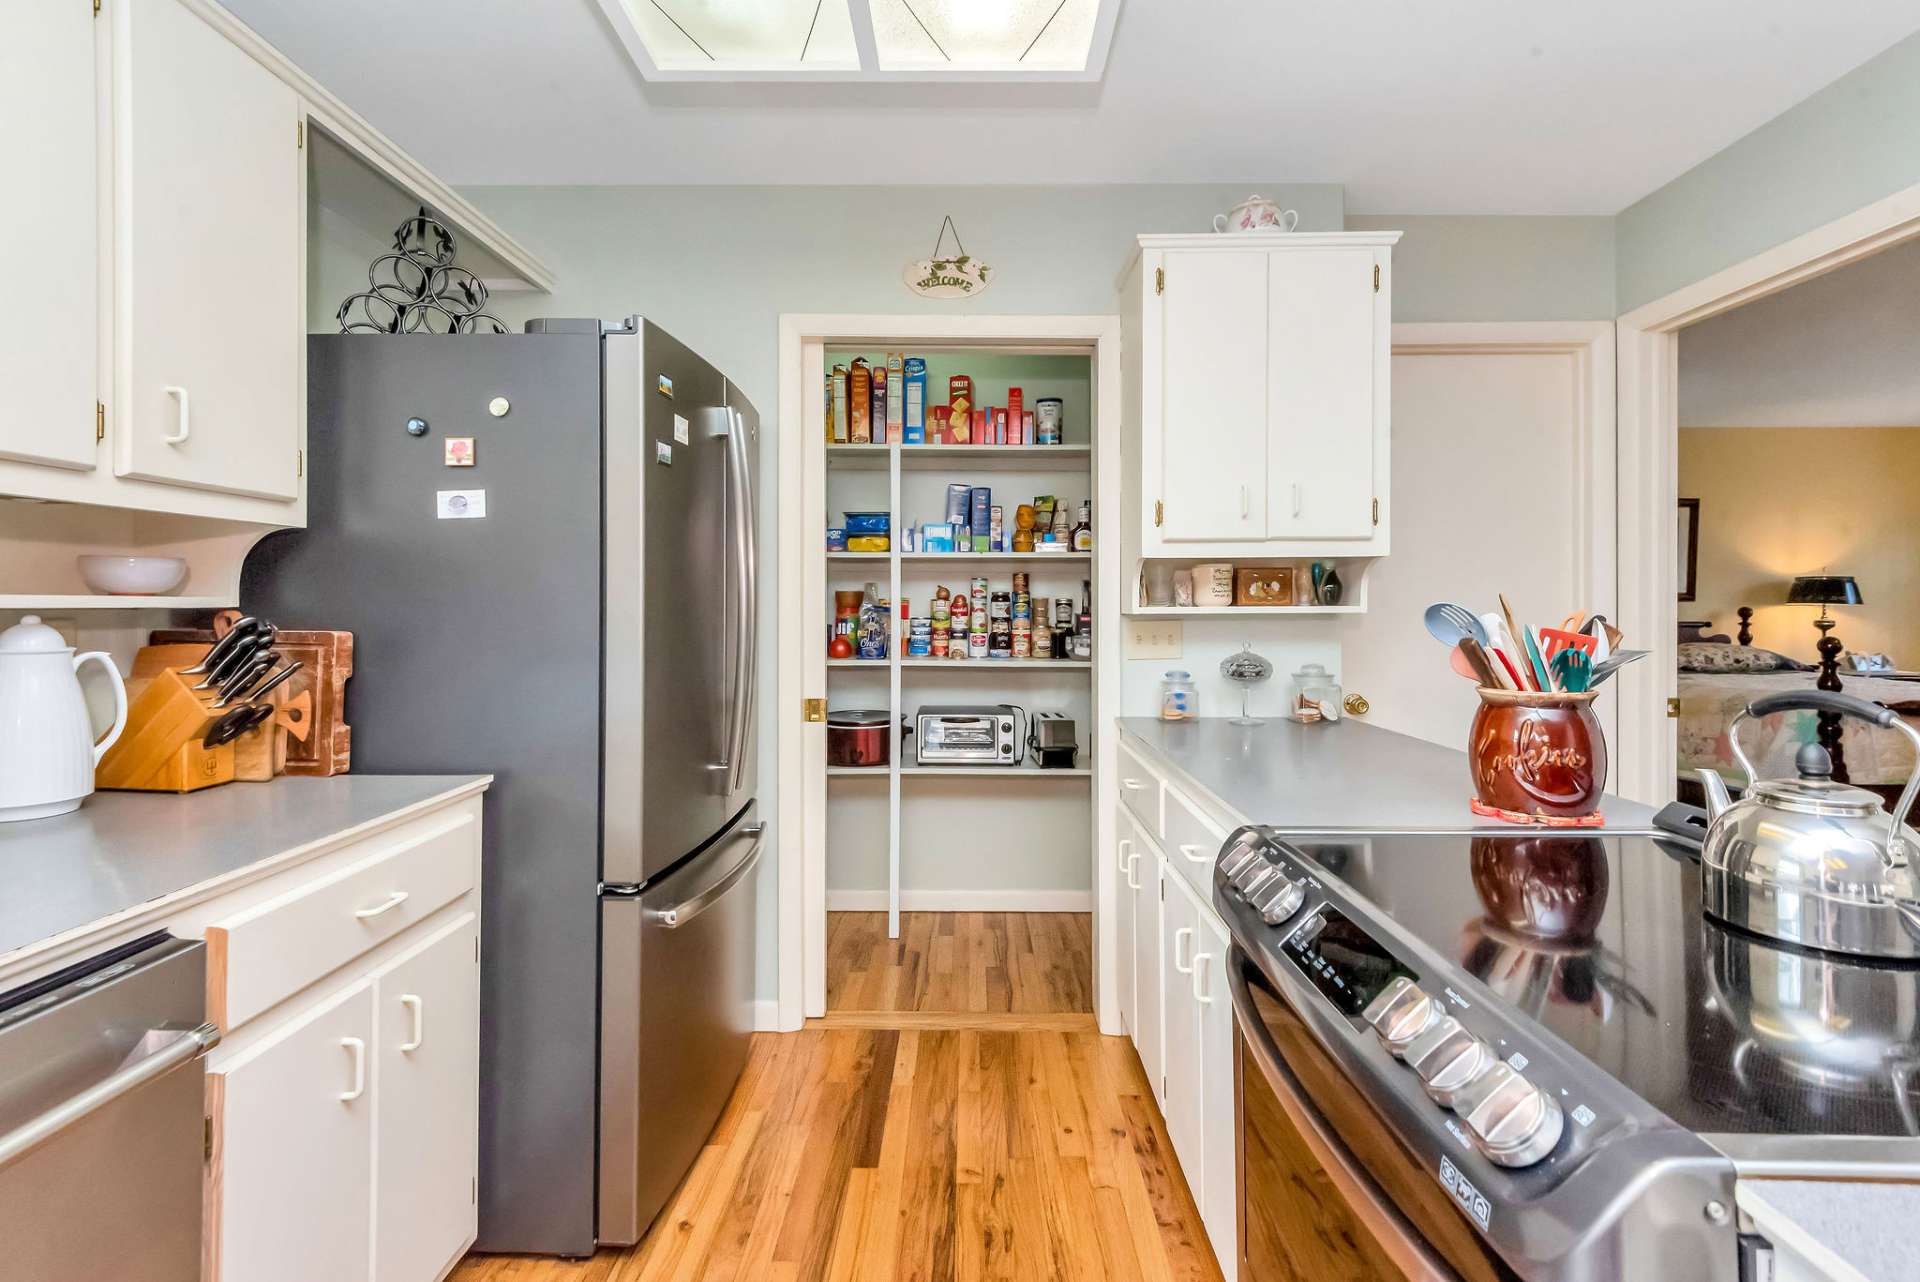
(1155, 638)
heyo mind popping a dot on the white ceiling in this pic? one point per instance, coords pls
(1482, 106)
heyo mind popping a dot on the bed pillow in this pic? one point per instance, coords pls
(1718, 656)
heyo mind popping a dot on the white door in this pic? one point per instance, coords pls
(295, 1165)
(50, 332)
(1215, 1187)
(209, 259)
(1128, 861)
(427, 1072)
(1213, 397)
(1495, 433)
(1180, 916)
(1151, 875)
(1320, 357)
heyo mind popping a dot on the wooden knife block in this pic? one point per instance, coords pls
(160, 750)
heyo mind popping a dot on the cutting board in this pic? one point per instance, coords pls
(327, 662)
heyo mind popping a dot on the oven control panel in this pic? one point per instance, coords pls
(1510, 1120)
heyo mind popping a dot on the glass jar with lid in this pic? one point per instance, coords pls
(1179, 697)
(1316, 694)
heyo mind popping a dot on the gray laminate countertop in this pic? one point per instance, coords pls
(124, 849)
(1330, 776)
(1865, 1227)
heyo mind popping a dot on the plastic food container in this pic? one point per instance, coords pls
(868, 523)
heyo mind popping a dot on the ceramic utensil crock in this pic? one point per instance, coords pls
(1538, 753)
(47, 744)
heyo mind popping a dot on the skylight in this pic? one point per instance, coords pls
(865, 40)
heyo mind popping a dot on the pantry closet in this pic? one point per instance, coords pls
(931, 828)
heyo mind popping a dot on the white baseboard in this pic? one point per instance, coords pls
(766, 1015)
(964, 901)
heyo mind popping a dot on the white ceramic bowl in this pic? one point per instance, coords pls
(132, 575)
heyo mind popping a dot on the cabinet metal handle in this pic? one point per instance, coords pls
(1203, 995)
(186, 416)
(388, 904)
(167, 1051)
(1198, 854)
(1132, 785)
(1132, 882)
(1186, 933)
(358, 1049)
(418, 1009)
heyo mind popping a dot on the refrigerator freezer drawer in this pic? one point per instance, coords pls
(676, 998)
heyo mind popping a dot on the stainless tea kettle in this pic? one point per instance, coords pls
(1810, 861)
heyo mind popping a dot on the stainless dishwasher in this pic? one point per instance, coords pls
(101, 1107)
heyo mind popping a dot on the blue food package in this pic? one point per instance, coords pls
(982, 514)
(868, 522)
(836, 540)
(959, 505)
(937, 536)
(913, 426)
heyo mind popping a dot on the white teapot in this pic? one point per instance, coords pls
(47, 745)
(1256, 213)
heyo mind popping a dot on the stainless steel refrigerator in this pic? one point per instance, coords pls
(572, 610)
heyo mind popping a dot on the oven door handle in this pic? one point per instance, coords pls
(168, 1052)
(1397, 1238)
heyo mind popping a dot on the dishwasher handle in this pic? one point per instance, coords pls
(181, 1047)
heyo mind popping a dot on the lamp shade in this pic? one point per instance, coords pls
(1824, 589)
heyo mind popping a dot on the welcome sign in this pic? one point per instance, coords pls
(958, 275)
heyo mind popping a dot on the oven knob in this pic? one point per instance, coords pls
(1239, 859)
(1512, 1121)
(1401, 1013)
(1449, 1059)
(1278, 902)
(1254, 880)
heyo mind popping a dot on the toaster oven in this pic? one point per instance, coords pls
(967, 735)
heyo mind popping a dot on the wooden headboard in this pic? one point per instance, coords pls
(1696, 629)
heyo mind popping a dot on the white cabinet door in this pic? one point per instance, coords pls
(1180, 917)
(50, 331)
(209, 335)
(1212, 398)
(1319, 393)
(1215, 1185)
(1128, 863)
(294, 1164)
(427, 1074)
(1146, 965)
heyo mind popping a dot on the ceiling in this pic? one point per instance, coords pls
(1493, 106)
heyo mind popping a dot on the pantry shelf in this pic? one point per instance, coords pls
(998, 772)
(963, 458)
(1237, 611)
(858, 556)
(998, 665)
(848, 772)
(998, 558)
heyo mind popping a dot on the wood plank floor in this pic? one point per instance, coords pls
(977, 962)
(927, 1144)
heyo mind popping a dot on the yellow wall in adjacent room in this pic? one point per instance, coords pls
(1781, 501)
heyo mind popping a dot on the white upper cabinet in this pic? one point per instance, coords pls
(209, 248)
(49, 336)
(1258, 384)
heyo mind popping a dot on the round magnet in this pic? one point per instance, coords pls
(416, 427)
(498, 407)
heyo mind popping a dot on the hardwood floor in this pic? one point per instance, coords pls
(1001, 1137)
(977, 962)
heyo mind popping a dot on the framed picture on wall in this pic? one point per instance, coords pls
(1689, 547)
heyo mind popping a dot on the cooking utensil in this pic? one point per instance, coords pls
(1449, 624)
(1543, 680)
(859, 737)
(1515, 646)
(237, 687)
(277, 679)
(221, 648)
(1458, 661)
(1613, 663)
(1479, 661)
(235, 723)
(1817, 863)
(1573, 671)
(328, 656)
(239, 659)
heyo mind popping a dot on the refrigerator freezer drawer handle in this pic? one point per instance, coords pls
(687, 909)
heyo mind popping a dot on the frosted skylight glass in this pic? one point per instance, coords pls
(984, 35)
(768, 35)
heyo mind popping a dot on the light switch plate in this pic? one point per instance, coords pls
(1155, 638)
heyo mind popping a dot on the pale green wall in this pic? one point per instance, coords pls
(1470, 268)
(1847, 146)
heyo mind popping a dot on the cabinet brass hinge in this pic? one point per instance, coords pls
(300, 141)
(1376, 278)
(1376, 511)
(206, 1138)
(1673, 708)
(96, 8)
(1159, 512)
(1159, 280)
(813, 709)
(99, 421)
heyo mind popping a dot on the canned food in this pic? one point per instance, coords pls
(977, 645)
(1042, 640)
(1020, 583)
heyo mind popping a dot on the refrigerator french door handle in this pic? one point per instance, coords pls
(747, 587)
(687, 909)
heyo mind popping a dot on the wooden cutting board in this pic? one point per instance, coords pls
(327, 662)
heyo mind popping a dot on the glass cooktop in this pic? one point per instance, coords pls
(1601, 939)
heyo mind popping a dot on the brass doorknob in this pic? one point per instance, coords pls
(1356, 705)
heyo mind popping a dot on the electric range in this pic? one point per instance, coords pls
(1562, 1066)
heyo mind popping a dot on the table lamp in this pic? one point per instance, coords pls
(1824, 590)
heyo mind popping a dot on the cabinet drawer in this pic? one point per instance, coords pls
(1141, 791)
(1192, 843)
(265, 953)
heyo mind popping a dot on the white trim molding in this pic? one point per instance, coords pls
(963, 901)
(1648, 381)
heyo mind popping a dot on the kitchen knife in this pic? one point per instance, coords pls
(261, 692)
(241, 679)
(235, 723)
(226, 645)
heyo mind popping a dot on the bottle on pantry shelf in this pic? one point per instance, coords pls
(1179, 698)
(1083, 528)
